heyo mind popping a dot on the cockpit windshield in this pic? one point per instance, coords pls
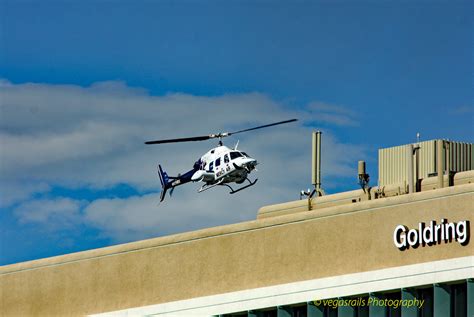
(234, 155)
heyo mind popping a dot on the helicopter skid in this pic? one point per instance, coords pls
(206, 187)
(232, 191)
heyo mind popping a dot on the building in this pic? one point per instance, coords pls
(398, 249)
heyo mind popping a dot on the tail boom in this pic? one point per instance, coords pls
(170, 182)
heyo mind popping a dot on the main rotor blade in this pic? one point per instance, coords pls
(196, 138)
(263, 126)
(213, 136)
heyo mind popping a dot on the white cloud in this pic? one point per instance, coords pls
(13, 192)
(462, 110)
(332, 114)
(57, 213)
(93, 137)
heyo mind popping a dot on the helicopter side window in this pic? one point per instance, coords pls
(218, 162)
(211, 166)
(234, 155)
(226, 158)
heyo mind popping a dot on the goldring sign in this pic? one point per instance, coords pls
(431, 234)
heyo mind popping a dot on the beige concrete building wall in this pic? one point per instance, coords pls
(270, 251)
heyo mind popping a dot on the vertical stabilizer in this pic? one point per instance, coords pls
(165, 182)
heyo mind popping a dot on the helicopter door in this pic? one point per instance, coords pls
(219, 170)
(226, 162)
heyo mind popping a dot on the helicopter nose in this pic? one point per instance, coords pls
(252, 162)
(247, 162)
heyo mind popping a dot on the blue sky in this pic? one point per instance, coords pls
(84, 83)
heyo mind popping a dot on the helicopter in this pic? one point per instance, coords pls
(219, 166)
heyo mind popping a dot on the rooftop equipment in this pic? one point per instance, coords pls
(363, 176)
(403, 165)
(403, 170)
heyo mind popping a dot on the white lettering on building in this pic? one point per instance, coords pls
(431, 234)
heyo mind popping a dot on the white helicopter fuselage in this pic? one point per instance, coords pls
(223, 165)
(219, 166)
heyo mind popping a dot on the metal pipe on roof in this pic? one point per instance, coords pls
(316, 161)
(447, 166)
(440, 162)
(409, 158)
(417, 166)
